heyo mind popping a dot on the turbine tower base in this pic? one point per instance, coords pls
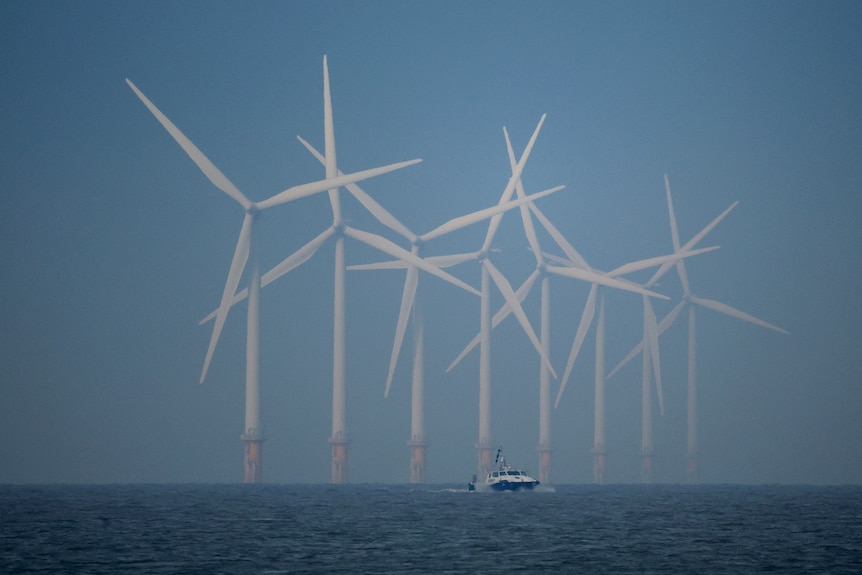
(252, 456)
(691, 475)
(600, 462)
(339, 445)
(647, 466)
(417, 459)
(544, 464)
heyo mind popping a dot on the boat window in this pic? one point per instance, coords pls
(494, 474)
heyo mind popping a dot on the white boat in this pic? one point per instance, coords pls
(505, 478)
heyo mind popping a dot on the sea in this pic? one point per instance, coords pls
(381, 528)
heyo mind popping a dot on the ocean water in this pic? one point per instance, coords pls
(618, 529)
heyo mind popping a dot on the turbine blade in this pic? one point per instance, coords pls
(674, 232)
(451, 260)
(501, 314)
(526, 219)
(370, 204)
(407, 297)
(390, 265)
(466, 220)
(680, 265)
(559, 260)
(510, 186)
(583, 327)
(207, 167)
(602, 279)
(561, 241)
(394, 250)
(329, 144)
(237, 265)
(702, 233)
(298, 257)
(662, 327)
(690, 244)
(328, 125)
(657, 261)
(293, 261)
(303, 190)
(733, 312)
(506, 289)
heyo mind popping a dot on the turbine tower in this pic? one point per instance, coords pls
(691, 301)
(410, 301)
(245, 252)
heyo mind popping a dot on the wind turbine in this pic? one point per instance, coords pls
(245, 252)
(411, 301)
(691, 301)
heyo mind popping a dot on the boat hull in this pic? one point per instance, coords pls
(504, 486)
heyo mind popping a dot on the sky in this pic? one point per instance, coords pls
(115, 245)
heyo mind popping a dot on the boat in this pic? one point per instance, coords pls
(504, 478)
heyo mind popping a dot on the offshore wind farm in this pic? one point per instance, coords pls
(655, 193)
(573, 265)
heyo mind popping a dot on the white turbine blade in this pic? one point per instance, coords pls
(668, 320)
(207, 167)
(394, 250)
(559, 260)
(691, 243)
(510, 186)
(583, 327)
(237, 265)
(526, 219)
(561, 241)
(390, 265)
(662, 327)
(451, 260)
(656, 261)
(328, 125)
(680, 265)
(733, 312)
(674, 232)
(652, 334)
(303, 190)
(466, 220)
(702, 233)
(296, 259)
(407, 297)
(501, 314)
(506, 289)
(329, 143)
(293, 261)
(370, 204)
(601, 279)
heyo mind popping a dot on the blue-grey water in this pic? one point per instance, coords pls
(237, 529)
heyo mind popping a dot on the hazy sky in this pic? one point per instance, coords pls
(115, 245)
